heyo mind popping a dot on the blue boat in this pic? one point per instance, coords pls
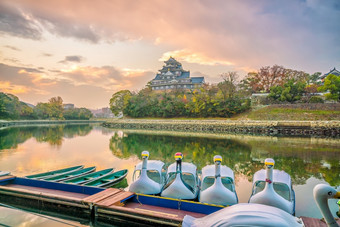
(72, 174)
(54, 172)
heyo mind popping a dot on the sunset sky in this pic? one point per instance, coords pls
(84, 51)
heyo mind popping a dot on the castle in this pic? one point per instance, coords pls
(173, 76)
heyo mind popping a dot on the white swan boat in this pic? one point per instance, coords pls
(182, 180)
(274, 188)
(217, 184)
(251, 214)
(147, 177)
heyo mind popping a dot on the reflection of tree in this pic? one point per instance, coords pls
(11, 137)
(197, 150)
(300, 160)
(53, 134)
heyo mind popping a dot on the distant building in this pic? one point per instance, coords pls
(68, 106)
(173, 76)
(333, 71)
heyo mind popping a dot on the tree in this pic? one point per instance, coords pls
(56, 108)
(229, 84)
(268, 77)
(290, 92)
(313, 79)
(119, 101)
(331, 84)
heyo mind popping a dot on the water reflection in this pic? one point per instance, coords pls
(301, 158)
(309, 161)
(54, 135)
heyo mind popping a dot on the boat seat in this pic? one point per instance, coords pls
(280, 188)
(209, 181)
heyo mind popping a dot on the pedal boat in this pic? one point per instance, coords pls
(217, 184)
(252, 214)
(182, 181)
(273, 188)
(147, 177)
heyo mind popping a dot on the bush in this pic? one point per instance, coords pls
(316, 99)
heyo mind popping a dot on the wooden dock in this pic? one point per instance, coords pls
(110, 206)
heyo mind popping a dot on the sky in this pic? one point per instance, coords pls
(84, 51)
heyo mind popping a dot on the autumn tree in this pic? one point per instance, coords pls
(56, 108)
(268, 77)
(119, 101)
(229, 84)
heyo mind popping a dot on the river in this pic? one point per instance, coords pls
(309, 161)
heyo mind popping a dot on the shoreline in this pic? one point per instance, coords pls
(4, 123)
(268, 128)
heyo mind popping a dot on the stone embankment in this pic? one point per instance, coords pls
(273, 128)
(44, 122)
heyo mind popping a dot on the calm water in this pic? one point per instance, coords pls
(309, 161)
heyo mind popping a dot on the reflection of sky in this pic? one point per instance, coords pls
(12, 217)
(93, 149)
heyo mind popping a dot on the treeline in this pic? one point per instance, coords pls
(291, 86)
(219, 100)
(12, 108)
(229, 97)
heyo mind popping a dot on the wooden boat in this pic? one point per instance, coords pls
(109, 179)
(54, 173)
(4, 173)
(182, 181)
(147, 177)
(274, 188)
(217, 184)
(72, 174)
(251, 214)
(88, 177)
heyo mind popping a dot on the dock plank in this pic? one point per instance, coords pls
(115, 199)
(44, 191)
(315, 222)
(101, 195)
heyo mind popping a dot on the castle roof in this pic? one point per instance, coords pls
(333, 71)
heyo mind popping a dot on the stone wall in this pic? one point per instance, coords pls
(274, 128)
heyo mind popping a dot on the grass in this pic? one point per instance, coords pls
(275, 113)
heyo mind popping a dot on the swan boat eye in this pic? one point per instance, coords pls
(330, 193)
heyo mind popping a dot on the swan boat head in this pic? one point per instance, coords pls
(218, 193)
(322, 193)
(144, 184)
(268, 196)
(176, 187)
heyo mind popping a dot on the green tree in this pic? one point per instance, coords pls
(119, 101)
(291, 91)
(331, 84)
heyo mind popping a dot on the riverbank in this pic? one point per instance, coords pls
(4, 123)
(271, 128)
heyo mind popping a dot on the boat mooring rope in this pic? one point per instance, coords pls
(40, 215)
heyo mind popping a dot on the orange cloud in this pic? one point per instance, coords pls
(192, 57)
(7, 87)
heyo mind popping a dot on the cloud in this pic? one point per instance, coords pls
(107, 77)
(191, 57)
(47, 55)
(15, 23)
(85, 86)
(298, 34)
(12, 48)
(74, 58)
